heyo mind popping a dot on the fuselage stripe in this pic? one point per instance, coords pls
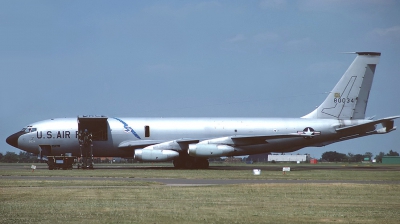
(128, 128)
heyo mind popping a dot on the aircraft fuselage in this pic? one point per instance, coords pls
(62, 133)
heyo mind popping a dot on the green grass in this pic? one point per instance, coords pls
(256, 203)
(221, 173)
(131, 201)
(74, 183)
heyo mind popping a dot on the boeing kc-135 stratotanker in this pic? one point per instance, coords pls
(189, 142)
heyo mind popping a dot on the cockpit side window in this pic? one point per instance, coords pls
(29, 129)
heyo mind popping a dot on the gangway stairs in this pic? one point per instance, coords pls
(86, 148)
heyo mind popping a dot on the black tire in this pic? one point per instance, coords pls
(203, 164)
(189, 163)
(178, 163)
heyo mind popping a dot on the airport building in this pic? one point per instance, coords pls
(288, 158)
(266, 157)
(391, 160)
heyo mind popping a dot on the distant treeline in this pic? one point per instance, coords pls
(333, 156)
(330, 156)
(23, 157)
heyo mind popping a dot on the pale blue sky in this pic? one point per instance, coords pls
(193, 59)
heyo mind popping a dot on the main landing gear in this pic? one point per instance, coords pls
(188, 162)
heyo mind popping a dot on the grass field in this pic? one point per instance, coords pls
(307, 172)
(130, 201)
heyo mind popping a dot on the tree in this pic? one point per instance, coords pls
(358, 158)
(26, 157)
(369, 155)
(333, 156)
(10, 157)
(392, 153)
(1, 156)
(350, 157)
(379, 157)
(23, 157)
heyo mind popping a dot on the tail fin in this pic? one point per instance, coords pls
(349, 98)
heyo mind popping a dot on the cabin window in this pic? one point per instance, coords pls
(146, 131)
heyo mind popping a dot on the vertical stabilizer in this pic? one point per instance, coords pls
(349, 98)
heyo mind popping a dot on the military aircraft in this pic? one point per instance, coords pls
(190, 142)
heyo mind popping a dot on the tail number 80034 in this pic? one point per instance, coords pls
(343, 100)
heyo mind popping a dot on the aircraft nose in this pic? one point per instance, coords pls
(13, 139)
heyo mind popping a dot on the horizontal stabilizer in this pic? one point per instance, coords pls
(387, 123)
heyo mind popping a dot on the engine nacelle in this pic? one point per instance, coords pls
(155, 155)
(210, 150)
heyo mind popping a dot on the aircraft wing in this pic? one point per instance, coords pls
(387, 123)
(243, 140)
(138, 144)
(237, 140)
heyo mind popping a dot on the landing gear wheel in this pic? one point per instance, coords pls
(178, 163)
(189, 163)
(202, 163)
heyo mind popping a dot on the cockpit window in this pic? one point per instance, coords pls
(29, 129)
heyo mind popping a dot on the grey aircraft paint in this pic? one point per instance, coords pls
(189, 142)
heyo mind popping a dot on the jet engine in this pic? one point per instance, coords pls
(209, 150)
(155, 155)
